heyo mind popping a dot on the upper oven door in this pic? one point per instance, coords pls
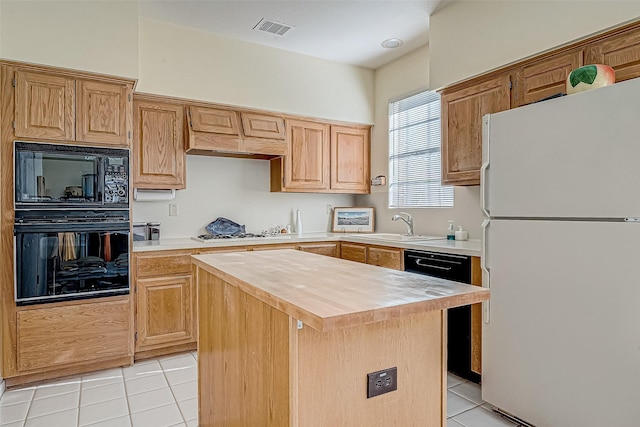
(63, 176)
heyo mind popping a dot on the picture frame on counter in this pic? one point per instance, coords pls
(353, 220)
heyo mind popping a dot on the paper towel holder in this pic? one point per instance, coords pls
(142, 195)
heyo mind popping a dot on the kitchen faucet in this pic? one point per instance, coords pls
(408, 221)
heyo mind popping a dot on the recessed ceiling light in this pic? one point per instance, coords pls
(392, 43)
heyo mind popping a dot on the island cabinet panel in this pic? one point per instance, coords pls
(44, 106)
(165, 312)
(257, 367)
(50, 338)
(462, 112)
(327, 249)
(621, 52)
(102, 112)
(244, 352)
(350, 159)
(385, 257)
(353, 252)
(545, 78)
(158, 145)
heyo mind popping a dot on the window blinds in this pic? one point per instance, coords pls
(414, 153)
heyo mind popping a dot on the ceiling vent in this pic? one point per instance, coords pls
(271, 27)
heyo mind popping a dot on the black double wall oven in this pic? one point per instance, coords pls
(71, 230)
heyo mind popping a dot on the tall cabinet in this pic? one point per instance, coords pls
(55, 105)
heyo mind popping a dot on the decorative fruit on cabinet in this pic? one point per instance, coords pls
(590, 77)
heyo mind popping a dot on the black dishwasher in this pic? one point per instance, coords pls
(456, 268)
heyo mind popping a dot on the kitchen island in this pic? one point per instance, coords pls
(287, 338)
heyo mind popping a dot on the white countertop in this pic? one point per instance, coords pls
(467, 247)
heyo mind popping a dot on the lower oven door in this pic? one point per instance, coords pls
(71, 260)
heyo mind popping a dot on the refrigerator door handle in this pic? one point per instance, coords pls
(486, 276)
(486, 125)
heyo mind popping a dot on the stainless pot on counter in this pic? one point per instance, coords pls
(146, 231)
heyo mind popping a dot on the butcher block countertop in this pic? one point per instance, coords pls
(327, 293)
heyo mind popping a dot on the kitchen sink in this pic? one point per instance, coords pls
(393, 237)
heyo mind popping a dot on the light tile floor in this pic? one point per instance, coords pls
(164, 393)
(156, 393)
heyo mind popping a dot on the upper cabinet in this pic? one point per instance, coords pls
(61, 107)
(158, 144)
(226, 132)
(350, 171)
(323, 158)
(621, 52)
(534, 79)
(305, 167)
(546, 78)
(462, 112)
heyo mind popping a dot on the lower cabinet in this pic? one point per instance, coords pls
(165, 298)
(374, 255)
(328, 249)
(165, 314)
(60, 339)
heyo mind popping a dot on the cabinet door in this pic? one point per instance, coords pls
(350, 159)
(213, 129)
(353, 252)
(158, 145)
(45, 106)
(102, 110)
(306, 166)
(544, 79)
(621, 52)
(327, 249)
(164, 311)
(462, 112)
(79, 333)
(476, 319)
(385, 257)
(263, 134)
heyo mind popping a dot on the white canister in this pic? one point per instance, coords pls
(461, 234)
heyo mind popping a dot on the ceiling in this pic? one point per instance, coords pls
(346, 31)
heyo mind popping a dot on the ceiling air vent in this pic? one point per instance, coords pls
(271, 27)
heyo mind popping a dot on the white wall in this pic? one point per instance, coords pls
(237, 189)
(471, 37)
(407, 75)
(96, 36)
(187, 63)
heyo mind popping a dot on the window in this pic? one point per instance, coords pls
(415, 168)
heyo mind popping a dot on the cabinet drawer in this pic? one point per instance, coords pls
(50, 337)
(353, 252)
(384, 257)
(162, 264)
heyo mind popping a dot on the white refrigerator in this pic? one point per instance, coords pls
(560, 189)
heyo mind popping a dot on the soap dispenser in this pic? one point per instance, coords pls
(451, 233)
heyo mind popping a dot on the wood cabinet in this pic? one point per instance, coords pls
(353, 252)
(385, 257)
(327, 249)
(350, 162)
(476, 319)
(462, 111)
(237, 133)
(92, 331)
(165, 302)
(59, 107)
(621, 52)
(323, 158)
(375, 255)
(305, 167)
(545, 78)
(158, 144)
